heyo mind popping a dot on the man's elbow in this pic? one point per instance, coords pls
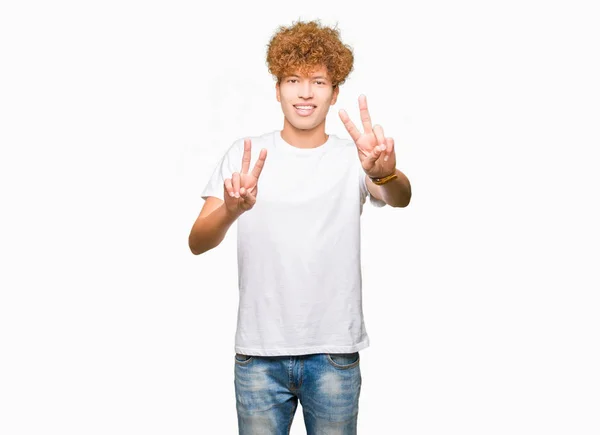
(194, 247)
(402, 202)
(200, 246)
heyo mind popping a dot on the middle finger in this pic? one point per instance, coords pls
(364, 114)
(378, 131)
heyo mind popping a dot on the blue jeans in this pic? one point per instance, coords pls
(267, 390)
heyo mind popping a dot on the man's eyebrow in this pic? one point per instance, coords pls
(313, 77)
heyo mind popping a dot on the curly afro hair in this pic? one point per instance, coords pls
(305, 46)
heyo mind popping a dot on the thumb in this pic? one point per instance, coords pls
(375, 153)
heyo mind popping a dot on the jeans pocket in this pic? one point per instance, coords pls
(343, 360)
(240, 358)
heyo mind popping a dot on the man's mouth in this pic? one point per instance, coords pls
(304, 109)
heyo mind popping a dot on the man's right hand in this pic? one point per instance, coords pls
(241, 189)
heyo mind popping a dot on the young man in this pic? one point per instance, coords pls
(300, 322)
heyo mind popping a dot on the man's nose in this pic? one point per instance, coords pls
(305, 90)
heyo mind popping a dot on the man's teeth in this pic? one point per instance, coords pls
(304, 107)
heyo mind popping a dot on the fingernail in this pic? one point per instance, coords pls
(237, 194)
(382, 147)
(385, 159)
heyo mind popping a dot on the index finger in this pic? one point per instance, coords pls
(364, 114)
(350, 127)
(258, 166)
(246, 156)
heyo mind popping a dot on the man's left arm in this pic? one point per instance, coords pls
(377, 158)
(395, 193)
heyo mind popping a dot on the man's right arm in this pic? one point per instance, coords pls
(239, 193)
(211, 226)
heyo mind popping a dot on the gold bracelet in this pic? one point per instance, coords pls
(383, 180)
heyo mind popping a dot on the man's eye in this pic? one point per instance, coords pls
(320, 82)
(291, 80)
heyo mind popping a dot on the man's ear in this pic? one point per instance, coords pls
(336, 91)
(277, 92)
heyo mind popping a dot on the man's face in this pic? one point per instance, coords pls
(305, 100)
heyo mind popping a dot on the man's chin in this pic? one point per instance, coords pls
(303, 126)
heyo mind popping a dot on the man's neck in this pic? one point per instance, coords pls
(304, 138)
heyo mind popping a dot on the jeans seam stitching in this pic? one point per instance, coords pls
(354, 364)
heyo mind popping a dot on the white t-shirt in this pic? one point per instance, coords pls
(299, 264)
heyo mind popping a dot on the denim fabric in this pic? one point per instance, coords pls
(268, 388)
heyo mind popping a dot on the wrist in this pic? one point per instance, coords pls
(232, 215)
(383, 179)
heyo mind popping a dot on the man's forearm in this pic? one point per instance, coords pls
(209, 231)
(396, 193)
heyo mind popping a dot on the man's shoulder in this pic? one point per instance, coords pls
(261, 140)
(260, 137)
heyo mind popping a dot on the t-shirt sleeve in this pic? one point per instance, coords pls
(230, 162)
(365, 191)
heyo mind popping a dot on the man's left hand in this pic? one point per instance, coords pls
(375, 151)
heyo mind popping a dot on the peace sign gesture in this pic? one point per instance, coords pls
(375, 151)
(242, 188)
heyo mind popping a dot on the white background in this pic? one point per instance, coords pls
(480, 298)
